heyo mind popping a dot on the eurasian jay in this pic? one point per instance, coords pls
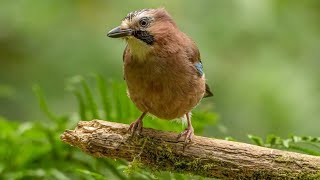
(162, 68)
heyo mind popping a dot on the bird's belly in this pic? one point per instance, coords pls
(165, 97)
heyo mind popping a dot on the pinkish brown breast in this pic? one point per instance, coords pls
(165, 87)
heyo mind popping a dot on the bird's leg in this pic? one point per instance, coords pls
(188, 132)
(136, 126)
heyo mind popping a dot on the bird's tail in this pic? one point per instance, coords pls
(208, 92)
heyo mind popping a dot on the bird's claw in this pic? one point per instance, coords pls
(136, 127)
(188, 133)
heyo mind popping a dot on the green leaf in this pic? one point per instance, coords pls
(43, 104)
(229, 138)
(81, 105)
(91, 103)
(296, 139)
(305, 150)
(257, 140)
(272, 140)
(58, 174)
(286, 142)
(90, 173)
(104, 95)
(117, 100)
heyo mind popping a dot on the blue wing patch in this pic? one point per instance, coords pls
(199, 68)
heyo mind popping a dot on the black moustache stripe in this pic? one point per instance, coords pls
(144, 36)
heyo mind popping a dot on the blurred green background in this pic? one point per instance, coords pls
(261, 58)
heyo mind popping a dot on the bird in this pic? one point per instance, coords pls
(162, 68)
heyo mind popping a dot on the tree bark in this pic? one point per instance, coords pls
(206, 157)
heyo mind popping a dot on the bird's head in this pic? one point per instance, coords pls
(143, 28)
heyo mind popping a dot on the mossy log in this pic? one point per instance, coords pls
(206, 157)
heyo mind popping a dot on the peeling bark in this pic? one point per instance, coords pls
(206, 157)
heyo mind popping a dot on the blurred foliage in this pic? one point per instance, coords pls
(304, 144)
(33, 149)
(261, 59)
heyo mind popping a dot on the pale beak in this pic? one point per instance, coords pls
(118, 32)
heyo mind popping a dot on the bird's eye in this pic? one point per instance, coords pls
(144, 22)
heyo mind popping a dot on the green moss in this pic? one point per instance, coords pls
(187, 165)
(136, 164)
(284, 159)
(303, 175)
(160, 156)
(133, 166)
(208, 166)
(308, 176)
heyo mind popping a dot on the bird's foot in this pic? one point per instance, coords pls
(136, 127)
(188, 133)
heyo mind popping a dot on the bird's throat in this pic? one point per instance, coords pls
(139, 49)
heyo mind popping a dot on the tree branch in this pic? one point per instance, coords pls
(207, 157)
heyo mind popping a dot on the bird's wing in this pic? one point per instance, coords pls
(194, 54)
(198, 65)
